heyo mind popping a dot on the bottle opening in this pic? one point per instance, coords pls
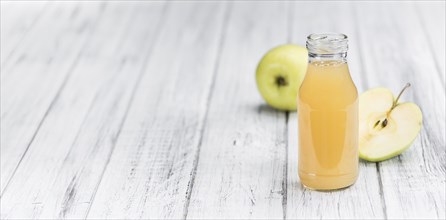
(327, 44)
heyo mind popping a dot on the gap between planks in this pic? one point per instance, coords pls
(59, 90)
(366, 85)
(129, 104)
(190, 185)
(393, 196)
(290, 23)
(99, 208)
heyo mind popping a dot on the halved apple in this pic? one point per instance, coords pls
(386, 127)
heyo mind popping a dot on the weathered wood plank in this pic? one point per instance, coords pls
(96, 98)
(432, 18)
(37, 72)
(182, 136)
(362, 200)
(150, 170)
(60, 174)
(396, 52)
(240, 171)
(17, 18)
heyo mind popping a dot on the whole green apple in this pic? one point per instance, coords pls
(280, 74)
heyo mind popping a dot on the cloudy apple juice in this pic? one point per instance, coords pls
(328, 116)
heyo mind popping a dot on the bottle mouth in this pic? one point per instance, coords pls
(327, 43)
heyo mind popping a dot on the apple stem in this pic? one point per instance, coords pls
(395, 103)
(399, 95)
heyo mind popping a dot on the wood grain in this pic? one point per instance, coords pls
(36, 75)
(84, 122)
(432, 19)
(144, 110)
(149, 174)
(240, 173)
(17, 19)
(413, 183)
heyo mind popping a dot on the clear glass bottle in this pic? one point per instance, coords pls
(328, 116)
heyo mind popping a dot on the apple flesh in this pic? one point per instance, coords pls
(280, 74)
(386, 127)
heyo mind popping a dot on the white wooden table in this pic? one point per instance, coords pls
(150, 110)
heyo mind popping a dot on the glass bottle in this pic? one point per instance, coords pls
(328, 116)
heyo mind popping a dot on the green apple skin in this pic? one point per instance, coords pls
(404, 123)
(288, 62)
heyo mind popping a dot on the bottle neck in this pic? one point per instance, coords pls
(338, 57)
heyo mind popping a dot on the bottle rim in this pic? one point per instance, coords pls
(327, 43)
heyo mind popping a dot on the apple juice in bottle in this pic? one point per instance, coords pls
(328, 116)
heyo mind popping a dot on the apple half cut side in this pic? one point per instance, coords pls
(386, 127)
